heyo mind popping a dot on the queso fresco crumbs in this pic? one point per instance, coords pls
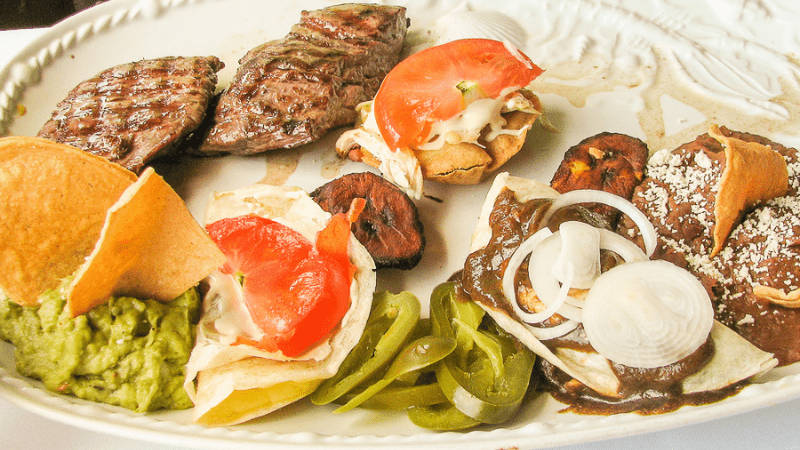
(127, 352)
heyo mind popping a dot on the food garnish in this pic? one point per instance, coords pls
(296, 291)
(391, 323)
(488, 374)
(454, 371)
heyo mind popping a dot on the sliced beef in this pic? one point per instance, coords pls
(133, 113)
(292, 91)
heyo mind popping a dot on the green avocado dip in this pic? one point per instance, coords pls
(127, 352)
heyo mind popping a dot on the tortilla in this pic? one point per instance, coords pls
(55, 199)
(150, 247)
(238, 383)
(753, 174)
(735, 359)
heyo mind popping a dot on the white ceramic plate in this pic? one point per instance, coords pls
(660, 70)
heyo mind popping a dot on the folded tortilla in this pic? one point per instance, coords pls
(233, 384)
(734, 359)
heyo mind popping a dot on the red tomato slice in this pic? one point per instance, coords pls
(437, 83)
(296, 293)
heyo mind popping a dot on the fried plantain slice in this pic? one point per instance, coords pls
(610, 162)
(389, 226)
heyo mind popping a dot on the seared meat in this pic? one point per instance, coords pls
(291, 91)
(133, 113)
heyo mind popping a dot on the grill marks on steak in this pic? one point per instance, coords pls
(292, 91)
(133, 113)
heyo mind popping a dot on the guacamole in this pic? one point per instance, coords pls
(127, 352)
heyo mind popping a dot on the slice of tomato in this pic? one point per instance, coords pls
(436, 84)
(296, 292)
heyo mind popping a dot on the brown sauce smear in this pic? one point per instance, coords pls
(647, 391)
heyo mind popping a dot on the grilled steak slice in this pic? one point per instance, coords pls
(133, 113)
(292, 91)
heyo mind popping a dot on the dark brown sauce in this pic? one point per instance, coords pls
(646, 400)
(647, 391)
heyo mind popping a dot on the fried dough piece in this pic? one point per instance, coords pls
(469, 163)
(698, 192)
(454, 163)
(753, 174)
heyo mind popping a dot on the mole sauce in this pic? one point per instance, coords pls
(647, 391)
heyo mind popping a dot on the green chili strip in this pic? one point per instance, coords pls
(391, 322)
(441, 417)
(418, 355)
(469, 376)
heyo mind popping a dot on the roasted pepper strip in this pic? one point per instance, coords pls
(440, 417)
(392, 320)
(486, 377)
(417, 355)
(404, 397)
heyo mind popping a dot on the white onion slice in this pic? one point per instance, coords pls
(647, 314)
(514, 262)
(626, 249)
(544, 284)
(579, 253)
(592, 196)
(557, 331)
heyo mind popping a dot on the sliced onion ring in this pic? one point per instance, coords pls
(592, 196)
(512, 267)
(647, 314)
(557, 331)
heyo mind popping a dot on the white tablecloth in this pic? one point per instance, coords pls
(775, 427)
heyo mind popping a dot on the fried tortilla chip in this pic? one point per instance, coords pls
(150, 247)
(753, 174)
(55, 199)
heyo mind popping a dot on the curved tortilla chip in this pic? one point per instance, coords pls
(55, 199)
(753, 174)
(150, 247)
